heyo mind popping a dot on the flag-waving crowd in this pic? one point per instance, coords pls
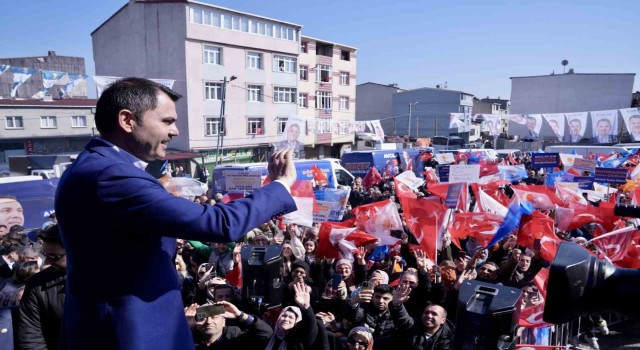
(388, 273)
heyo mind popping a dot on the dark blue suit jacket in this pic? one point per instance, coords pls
(119, 226)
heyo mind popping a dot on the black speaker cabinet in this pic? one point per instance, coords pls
(485, 312)
(261, 281)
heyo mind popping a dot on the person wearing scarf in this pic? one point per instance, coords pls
(296, 327)
(360, 338)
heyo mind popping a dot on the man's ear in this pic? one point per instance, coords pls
(126, 120)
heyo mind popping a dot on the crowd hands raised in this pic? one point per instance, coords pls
(404, 300)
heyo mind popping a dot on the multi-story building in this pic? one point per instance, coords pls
(571, 92)
(327, 93)
(375, 102)
(53, 62)
(425, 112)
(199, 46)
(45, 127)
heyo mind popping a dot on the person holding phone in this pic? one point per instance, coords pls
(212, 331)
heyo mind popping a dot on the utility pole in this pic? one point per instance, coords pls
(223, 99)
(411, 104)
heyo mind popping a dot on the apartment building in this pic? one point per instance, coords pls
(327, 94)
(202, 46)
(44, 127)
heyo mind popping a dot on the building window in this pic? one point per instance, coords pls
(254, 60)
(304, 73)
(282, 124)
(284, 64)
(343, 127)
(48, 122)
(212, 126)
(344, 103)
(304, 47)
(79, 121)
(323, 125)
(323, 99)
(212, 91)
(324, 49)
(254, 93)
(13, 123)
(344, 78)
(284, 95)
(323, 73)
(212, 54)
(345, 55)
(302, 101)
(255, 126)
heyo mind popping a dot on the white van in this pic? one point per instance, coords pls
(504, 153)
(585, 150)
(487, 153)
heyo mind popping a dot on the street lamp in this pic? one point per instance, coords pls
(223, 98)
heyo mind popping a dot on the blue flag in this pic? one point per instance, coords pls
(511, 221)
(380, 254)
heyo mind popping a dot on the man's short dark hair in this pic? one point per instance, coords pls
(635, 116)
(135, 94)
(51, 234)
(9, 246)
(383, 289)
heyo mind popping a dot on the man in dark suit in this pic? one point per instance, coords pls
(603, 132)
(119, 225)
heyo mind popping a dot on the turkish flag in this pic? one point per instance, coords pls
(424, 219)
(568, 195)
(531, 316)
(481, 226)
(441, 190)
(488, 167)
(372, 178)
(614, 244)
(364, 212)
(234, 277)
(541, 196)
(329, 235)
(533, 227)
(549, 244)
(319, 176)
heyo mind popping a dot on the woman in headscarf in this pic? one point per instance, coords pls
(296, 327)
(360, 338)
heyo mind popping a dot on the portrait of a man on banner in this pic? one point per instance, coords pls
(577, 126)
(605, 126)
(631, 118)
(293, 137)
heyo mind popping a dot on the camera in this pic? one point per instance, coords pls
(208, 311)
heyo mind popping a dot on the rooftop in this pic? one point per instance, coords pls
(77, 102)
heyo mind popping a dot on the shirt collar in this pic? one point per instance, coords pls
(140, 164)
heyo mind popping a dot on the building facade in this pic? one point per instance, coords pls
(375, 101)
(425, 112)
(45, 127)
(199, 46)
(327, 94)
(571, 92)
(53, 62)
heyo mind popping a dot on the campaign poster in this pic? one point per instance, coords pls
(293, 137)
(490, 124)
(556, 126)
(27, 203)
(242, 180)
(605, 126)
(464, 173)
(545, 160)
(631, 117)
(577, 123)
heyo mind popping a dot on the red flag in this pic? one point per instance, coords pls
(372, 178)
(481, 226)
(493, 190)
(533, 227)
(441, 190)
(424, 219)
(614, 244)
(385, 219)
(591, 156)
(549, 244)
(430, 176)
(541, 196)
(576, 216)
(488, 168)
(532, 316)
(305, 198)
(573, 172)
(319, 176)
(234, 277)
(512, 160)
(364, 212)
(333, 234)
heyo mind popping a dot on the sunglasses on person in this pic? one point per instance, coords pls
(53, 257)
(354, 341)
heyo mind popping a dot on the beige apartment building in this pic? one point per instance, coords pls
(201, 46)
(327, 93)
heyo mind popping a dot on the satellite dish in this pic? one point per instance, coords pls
(564, 64)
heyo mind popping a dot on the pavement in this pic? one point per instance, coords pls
(623, 335)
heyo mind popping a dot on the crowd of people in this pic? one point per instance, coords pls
(119, 288)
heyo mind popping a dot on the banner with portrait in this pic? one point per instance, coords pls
(577, 123)
(377, 130)
(631, 117)
(27, 203)
(456, 120)
(556, 126)
(605, 126)
(293, 136)
(517, 125)
(490, 124)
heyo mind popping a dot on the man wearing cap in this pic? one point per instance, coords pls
(41, 306)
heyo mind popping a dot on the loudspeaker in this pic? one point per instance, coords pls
(486, 313)
(261, 280)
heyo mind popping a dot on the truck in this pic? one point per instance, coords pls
(337, 176)
(45, 166)
(391, 161)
